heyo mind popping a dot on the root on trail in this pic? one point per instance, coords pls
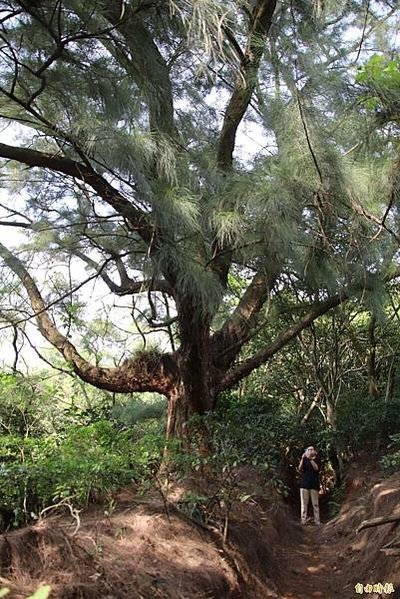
(378, 521)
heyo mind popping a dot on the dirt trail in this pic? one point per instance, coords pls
(328, 561)
(311, 565)
(139, 553)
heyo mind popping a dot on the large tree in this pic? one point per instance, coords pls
(130, 115)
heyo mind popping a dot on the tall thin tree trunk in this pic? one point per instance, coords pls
(337, 449)
(373, 390)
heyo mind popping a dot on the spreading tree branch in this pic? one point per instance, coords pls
(17, 224)
(236, 329)
(127, 285)
(132, 376)
(145, 64)
(241, 371)
(59, 164)
(260, 23)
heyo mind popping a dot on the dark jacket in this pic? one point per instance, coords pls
(310, 477)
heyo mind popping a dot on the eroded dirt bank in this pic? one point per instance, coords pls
(138, 552)
(329, 561)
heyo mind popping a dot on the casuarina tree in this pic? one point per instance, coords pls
(202, 158)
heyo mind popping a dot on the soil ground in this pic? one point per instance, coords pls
(137, 552)
(328, 561)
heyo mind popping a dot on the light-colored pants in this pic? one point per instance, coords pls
(305, 495)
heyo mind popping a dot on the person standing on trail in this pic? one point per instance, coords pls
(309, 467)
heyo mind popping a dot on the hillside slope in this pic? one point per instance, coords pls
(139, 552)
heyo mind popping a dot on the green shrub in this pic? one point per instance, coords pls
(82, 463)
(43, 592)
(140, 409)
(391, 462)
(336, 498)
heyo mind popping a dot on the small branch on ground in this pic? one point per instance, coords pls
(65, 503)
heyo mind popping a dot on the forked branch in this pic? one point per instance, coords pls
(59, 164)
(131, 376)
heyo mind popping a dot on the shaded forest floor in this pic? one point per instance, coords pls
(138, 552)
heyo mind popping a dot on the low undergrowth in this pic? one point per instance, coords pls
(78, 465)
(88, 452)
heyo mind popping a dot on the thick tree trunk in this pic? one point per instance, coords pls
(182, 405)
(194, 393)
(180, 409)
